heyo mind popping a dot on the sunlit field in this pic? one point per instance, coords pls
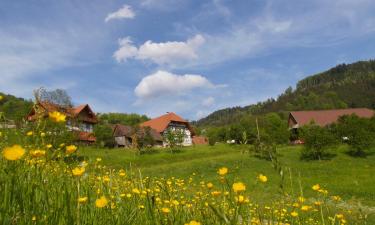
(45, 180)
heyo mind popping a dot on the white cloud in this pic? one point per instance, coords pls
(165, 83)
(125, 12)
(208, 101)
(171, 52)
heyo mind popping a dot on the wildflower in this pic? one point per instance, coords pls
(193, 222)
(339, 216)
(336, 198)
(215, 193)
(82, 199)
(98, 159)
(141, 207)
(29, 133)
(122, 173)
(262, 178)
(101, 202)
(70, 149)
(301, 199)
(42, 134)
(165, 210)
(33, 218)
(316, 187)
(78, 171)
(294, 214)
(210, 185)
(1, 97)
(238, 187)
(222, 171)
(240, 199)
(318, 203)
(136, 191)
(49, 146)
(305, 208)
(57, 117)
(38, 153)
(13, 153)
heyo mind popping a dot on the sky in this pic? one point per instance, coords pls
(191, 57)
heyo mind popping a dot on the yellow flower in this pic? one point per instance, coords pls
(301, 199)
(339, 216)
(305, 208)
(38, 153)
(57, 117)
(193, 222)
(33, 218)
(98, 159)
(215, 193)
(239, 186)
(13, 153)
(29, 133)
(1, 97)
(136, 191)
(316, 187)
(70, 149)
(210, 185)
(240, 199)
(78, 171)
(222, 171)
(101, 202)
(42, 134)
(165, 210)
(336, 198)
(122, 173)
(82, 199)
(49, 146)
(294, 214)
(262, 178)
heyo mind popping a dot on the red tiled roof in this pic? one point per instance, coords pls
(200, 140)
(86, 136)
(325, 117)
(161, 123)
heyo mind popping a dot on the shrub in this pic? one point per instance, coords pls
(317, 142)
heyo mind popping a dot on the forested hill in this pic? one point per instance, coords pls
(344, 86)
(14, 108)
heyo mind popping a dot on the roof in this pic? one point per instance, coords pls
(200, 140)
(161, 123)
(68, 111)
(86, 136)
(325, 117)
(123, 130)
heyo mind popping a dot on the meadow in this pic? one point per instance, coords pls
(46, 180)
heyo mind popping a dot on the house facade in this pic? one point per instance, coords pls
(80, 119)
(173, 122)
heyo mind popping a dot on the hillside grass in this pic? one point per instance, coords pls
(350, 178)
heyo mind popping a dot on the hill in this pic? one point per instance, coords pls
(344, 86)
(14, 108)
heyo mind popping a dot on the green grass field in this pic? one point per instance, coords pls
(350, 178)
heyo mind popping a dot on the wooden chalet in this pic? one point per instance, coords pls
(80, 119)
(171, 121)
(123, 135)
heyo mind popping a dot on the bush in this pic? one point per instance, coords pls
(104, 137)
(317, 142)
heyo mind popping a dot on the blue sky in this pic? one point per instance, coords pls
(190, 57)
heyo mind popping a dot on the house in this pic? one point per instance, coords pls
(80, 119)
(324, 117)
(124, 135)
(174, 122)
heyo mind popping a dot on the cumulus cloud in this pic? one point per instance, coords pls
(166, 83)
(126, 12)
(170, 52)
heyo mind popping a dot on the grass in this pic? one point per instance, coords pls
(351, 178)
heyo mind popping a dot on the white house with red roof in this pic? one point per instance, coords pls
(174, 122)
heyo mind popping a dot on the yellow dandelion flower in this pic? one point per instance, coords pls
(49, 146)
(222, 171)
(78, 171)
(37, 153)
(82, 200)
(165, 210)
(29, 133)
(101, 202)
(136, 191)
(305, 208)
(301, 199)
(339, 216)
(238, 187)
(240, 199)
(98, 159)
(33, 218)
(141, 207)
(42, 134)
(70, 149)
(209, 185)
(294, 214)
(13, 153)
(262, 178)
(193, 222)
(57, 117)
(316, 187)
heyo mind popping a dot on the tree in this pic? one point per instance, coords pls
(317, 141)
(58, 96)
(174, 138)
(103, 134)
(358, 132)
